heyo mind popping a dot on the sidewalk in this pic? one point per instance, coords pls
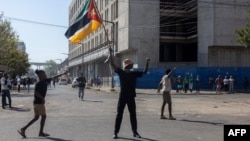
(154, 91)
(142, 91)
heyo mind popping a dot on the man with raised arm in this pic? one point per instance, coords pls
(127, 93)
(165, 86)
(39, 102)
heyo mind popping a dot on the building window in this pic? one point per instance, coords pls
(88, 45)
(101, 39)
(106, 2)
(106, 15)
(179, 31)
(92, 43)
(112, 12)
(96, 41)
(101, 4)
(82, 48)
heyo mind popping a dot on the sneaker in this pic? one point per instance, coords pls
(163, 117)
(172, 118)
(115, 136)
(136, 134)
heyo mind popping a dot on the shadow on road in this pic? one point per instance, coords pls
(56, 139)
(91, 101)
(205, 122)
(22, 95)
(138, 139)
(47, 138)
(20, 109)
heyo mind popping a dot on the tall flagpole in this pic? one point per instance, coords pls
(110, 48)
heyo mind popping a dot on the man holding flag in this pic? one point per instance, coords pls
(127, 93)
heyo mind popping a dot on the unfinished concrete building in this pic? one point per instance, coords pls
(193, 33)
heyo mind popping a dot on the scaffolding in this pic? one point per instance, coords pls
(178, 31)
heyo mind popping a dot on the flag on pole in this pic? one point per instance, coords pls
(86, 22)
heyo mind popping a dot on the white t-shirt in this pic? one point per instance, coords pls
(166, 83)
(5, 86)
(18, 81)
(226, 81)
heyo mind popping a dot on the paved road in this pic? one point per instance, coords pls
(199, 117)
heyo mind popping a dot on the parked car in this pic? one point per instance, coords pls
(63, 82)
(74, 83)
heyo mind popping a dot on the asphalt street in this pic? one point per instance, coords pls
(199, 117)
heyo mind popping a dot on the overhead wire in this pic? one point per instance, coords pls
(34, 22)
(222, 4)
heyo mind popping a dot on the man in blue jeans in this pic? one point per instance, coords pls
(5, 85)
(81, 84)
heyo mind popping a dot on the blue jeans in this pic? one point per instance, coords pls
(6, 93)
(81, 92)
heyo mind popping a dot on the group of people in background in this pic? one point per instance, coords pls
(8, 84)
(225, 84)
(188, 83)
(19, 83)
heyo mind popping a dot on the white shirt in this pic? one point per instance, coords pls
(231, 80)
(226, 81)
(5, 86)
(166, 83)
(18, 81)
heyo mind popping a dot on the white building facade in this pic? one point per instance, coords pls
(169, 32)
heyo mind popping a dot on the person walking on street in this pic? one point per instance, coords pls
(211, 82)
(54, 83)
(18, 84)
(5, 86)
(165, 84)
(175, 82)
(226, 84)
(81, 84)
(218, 82)
(127, 93)
(179, 85)
(185, 84)
(190, 83)
(28, 83)
(39, 102)
(231, 84)
(198, 82)
(98, 81)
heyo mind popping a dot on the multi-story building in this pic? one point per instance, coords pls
(197, 33)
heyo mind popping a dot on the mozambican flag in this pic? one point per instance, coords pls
(86, 22)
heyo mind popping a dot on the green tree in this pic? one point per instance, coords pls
(10, 56)
(50, 68)
(244, 33)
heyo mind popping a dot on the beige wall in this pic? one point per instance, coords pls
(228, 56)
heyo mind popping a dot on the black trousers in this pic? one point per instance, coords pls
(132, 111)
(18, 88)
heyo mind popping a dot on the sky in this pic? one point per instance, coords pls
(43, 42)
